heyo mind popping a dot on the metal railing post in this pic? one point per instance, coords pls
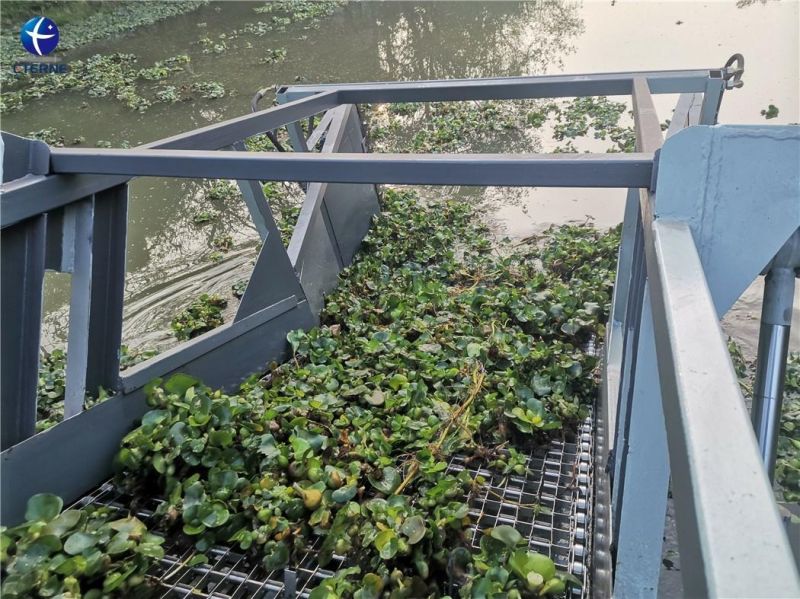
(773, 349)
(22, 255)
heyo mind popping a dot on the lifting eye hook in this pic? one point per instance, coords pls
(731, 74)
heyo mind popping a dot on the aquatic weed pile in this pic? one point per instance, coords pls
(433, 344)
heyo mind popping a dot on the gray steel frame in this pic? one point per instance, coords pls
(60, 202)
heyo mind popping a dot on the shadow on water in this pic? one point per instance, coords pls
(168, 254)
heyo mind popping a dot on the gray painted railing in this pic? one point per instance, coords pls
(65, 210)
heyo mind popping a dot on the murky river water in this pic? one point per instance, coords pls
(168, 256)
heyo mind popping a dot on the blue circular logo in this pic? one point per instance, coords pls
(39, 36)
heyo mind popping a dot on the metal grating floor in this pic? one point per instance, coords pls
(551, 506)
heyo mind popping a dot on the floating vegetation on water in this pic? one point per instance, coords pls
(209, 89)
(92, 21)
(168, 94)
(210, 46)
(433, 344)
(93, 552)
(223, 243)
(53, 137)
(113, 75)
(202, 315)
(238, 288)
(463, 126)
(770, 112)
(597, 115)
(300, 10)
(222, 191)
(203, 217)
(273, 56)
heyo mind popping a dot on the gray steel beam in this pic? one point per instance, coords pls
(728, 523)
(34, 194)
(641, 468)
(228, 132)
(22, 257)
(551, 170)
(321, 129)
(504, 88)
(712, 99)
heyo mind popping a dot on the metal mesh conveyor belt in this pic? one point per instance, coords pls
(551, 506)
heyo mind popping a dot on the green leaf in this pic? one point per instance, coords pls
(43, 507)
(344, 494)
(523, 562)
(414, 529)
(217, 516)
(397, 381)
(180, 383)
(295, 338)
(65, 522)
(278, 558)
(474, 350)
(508, 535)
(120, 543)
(570, 328)
(386, 544)
(78, 542)
(377, 398)
(153, 418)
(371, 586)
(223, 438)
(534, 580)
(388, 482)
(268, 446)
(131, 525)
(196, 560)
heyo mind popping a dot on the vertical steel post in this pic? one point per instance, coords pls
(773, 348)
(109, 240)
(22, 257)
(80, 218)
(712, 99)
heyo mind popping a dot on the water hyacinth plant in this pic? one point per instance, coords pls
(433, 344)
(91, 553)
(202, 315)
